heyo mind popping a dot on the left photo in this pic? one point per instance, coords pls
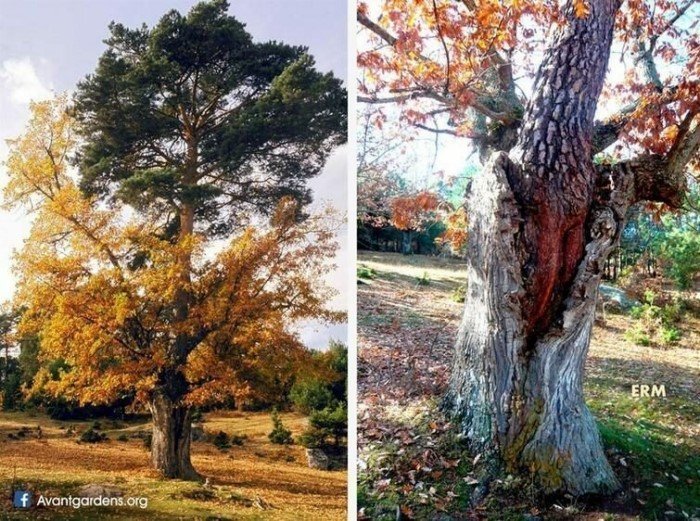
(174, 265)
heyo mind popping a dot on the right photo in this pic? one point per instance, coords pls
(528, 275)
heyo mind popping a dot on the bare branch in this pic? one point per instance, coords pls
(393, 99)
(444, 46)
(606, 132)
(436, 130)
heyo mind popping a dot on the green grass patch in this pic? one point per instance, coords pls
(668, 474)
(424, 280)
(651, 445)
(365, 272)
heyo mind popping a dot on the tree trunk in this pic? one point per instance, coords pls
(540, 230)
(407, 242)
(543, 219)
(517, 400)
(170, 446)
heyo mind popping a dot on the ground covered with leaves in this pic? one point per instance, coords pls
(412, 463)
(249, 477)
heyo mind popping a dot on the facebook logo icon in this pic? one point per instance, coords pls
(22, 499)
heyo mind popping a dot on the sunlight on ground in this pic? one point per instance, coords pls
(408, 451)
(258, 480)
(438, 269)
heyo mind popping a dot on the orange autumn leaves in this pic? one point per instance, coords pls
(98, 285)
(414, 212)
(445, 53)
(457, 66)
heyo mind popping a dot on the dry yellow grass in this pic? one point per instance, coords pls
(258, 480)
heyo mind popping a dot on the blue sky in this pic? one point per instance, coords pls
(47, 46)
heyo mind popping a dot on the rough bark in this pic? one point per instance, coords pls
(170, 445)
(542, 221)
(555, 178)
(519, 401)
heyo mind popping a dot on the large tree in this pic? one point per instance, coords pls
(546, 209)
(188, 132)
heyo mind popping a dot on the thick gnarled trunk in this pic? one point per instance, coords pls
(520, 401)
(172, 419)
(542, 220)
(170, 445)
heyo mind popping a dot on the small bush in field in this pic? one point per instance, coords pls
(328, 427)
(92, 436)
(280, 435)
(222, 441)
(424, 280)
(459, 294)
(638, 336)
(654, 323)
(669, 335)
(365, 272)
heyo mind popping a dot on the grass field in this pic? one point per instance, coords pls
(412, 460)
(257, 480)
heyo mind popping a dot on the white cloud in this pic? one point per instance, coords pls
(20, 79)
(19, 84)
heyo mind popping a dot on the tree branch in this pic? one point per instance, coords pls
(606, 132)
(437, 130)
(671, 22)
(446, 98)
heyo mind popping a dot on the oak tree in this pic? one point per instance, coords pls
(522, 82)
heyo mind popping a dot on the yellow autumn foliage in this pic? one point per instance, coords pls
(99, 285)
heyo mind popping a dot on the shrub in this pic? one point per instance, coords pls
(122, 437)
(669, 335)
(280, 435)
(238, 439)
(365, 272)
(310, 395)
(326, 427)
(655, 323)
(148, 440)
(638, 336)
(459, 294)
(424, 280)
(92, 436)
(672, 313)
(222, 441)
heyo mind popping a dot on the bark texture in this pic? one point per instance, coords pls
(170, 446)
(543, 219)
(522, 401)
